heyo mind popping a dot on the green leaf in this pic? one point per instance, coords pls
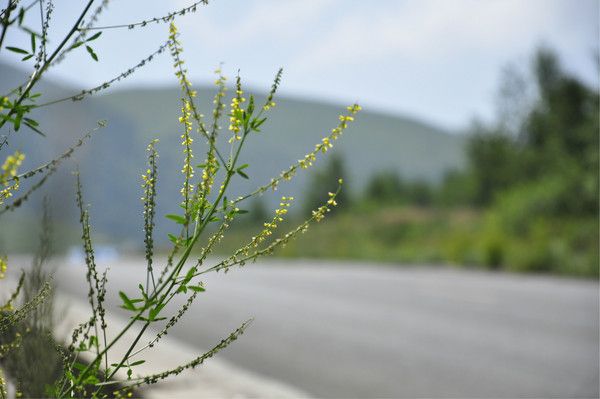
(173, 239)
(241, 211)
(196, 288)
(27, 57)
(31, 122)
(33, 127)
(91, 380)
(243, 174)
(127, 303)
(155, 311)
(32, 43)
(79, 366)
(137, 363)
(250, 108)
(94, 37)
(91, 51)
(149, 320)
(75, 45)
(244, 166)
(21, 15)
(17, 123)
(144, 295)
(189, 275)
(256, 123)
(17, 50)
(176, 218)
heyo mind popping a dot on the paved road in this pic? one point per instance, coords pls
(361, 330)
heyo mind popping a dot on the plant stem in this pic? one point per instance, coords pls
(37, 74)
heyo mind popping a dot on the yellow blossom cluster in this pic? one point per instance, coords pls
(269, 105)
(176, 50)
(8, 175)
(308, 160)
(148, 180)
(208, 174)
(218, 99)
(268, 228)
(187, 140)
(7, 347)
(3, 267)
(236, 114)
(317, 215)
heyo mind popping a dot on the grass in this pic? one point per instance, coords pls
(462, 237)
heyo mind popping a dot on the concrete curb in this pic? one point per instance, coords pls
(216, 378)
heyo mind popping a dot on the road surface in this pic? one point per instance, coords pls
(361, 330)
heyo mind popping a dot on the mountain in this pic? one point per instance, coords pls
(111, 163)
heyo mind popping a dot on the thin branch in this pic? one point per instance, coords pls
(84, 93)
(37, 74)
(167, 18)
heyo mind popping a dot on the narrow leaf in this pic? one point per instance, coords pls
(176, 218)
(17, 50)
(92, 54)
(94, 37)
(127, 304)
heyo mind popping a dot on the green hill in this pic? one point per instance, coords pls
(112, 162)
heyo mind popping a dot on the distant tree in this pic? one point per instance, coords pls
(493, 163)
(326, 180)
(385, 186)
(258, 211)
(457, 188)
(419, 192)
(557, 136)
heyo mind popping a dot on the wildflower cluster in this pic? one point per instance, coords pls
(3, 267)
(149, 199)
(236, 115)
(219, 106)
(309, 159)
(187, 140)
(204, 206)
(8, 175)
(268, 228)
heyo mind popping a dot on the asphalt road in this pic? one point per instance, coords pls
(362, 330)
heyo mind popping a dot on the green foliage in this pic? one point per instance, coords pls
(493, 163)
(204, 203)
(532, 179)
(386, 186)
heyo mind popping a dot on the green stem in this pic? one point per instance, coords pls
(170, 282)
(37, 74)
(6, 21)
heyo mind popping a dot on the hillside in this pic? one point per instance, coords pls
(112, 162)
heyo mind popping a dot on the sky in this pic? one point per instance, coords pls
(436, 60)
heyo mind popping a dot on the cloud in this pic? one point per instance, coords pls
(243, 22)
(432, 30)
